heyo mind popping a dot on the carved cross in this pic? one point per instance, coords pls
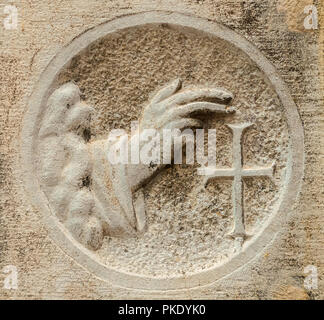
(237, 173)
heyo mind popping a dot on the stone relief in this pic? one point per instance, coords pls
(74, 171)
(156, 226)
(237, 173)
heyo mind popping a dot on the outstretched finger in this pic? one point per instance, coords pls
(184, 123)
(190, 95)
(167, 91)
(198, 108)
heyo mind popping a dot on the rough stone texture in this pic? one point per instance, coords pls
(180, 216)
(45, 271)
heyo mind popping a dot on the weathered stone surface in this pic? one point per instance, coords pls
(77, 227)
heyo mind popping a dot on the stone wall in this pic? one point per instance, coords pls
(118, 89)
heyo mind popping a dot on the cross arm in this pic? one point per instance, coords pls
(259, 172)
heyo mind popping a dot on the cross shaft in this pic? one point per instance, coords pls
(237, 173)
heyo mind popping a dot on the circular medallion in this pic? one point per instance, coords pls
(184, 225)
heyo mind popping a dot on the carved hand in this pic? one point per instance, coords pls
(173, 108)
(91, 197)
